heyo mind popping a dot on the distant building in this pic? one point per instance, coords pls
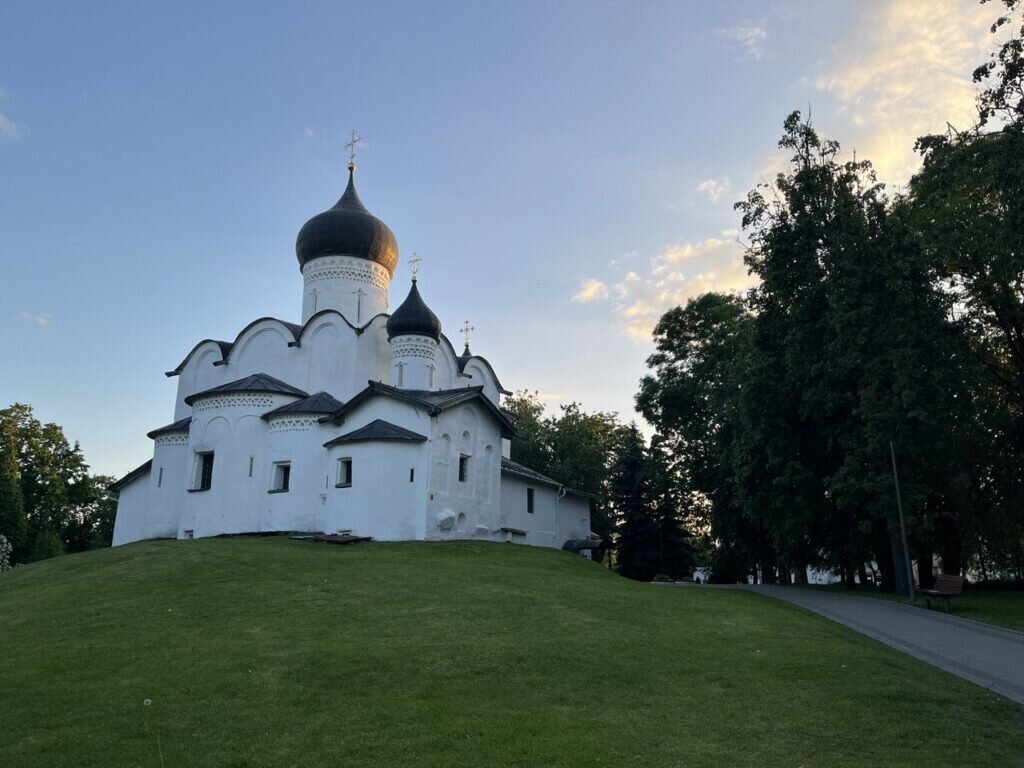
(352, 420)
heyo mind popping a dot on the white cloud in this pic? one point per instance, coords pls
(42, 319)
(590, 290)
(903, 71)
(8, 128)
(750, 36)
(309, 133)
(714, 188)
(680, 272)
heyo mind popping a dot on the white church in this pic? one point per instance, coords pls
(354, 421)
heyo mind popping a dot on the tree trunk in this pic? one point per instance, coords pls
(925, 573)
(851, 577)
(953, 555)
(800, 575)
(862, 574)
(884, 558)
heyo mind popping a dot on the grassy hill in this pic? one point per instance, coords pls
(269, 652)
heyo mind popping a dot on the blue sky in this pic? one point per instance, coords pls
(567, 170)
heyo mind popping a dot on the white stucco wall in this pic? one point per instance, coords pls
(554, 520)
(464, 430)
(132, 505)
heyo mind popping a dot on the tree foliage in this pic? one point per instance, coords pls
(883, 324)
(49, 503)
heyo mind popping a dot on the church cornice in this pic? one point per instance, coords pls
(294, 329)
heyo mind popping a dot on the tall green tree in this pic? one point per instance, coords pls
(13, 522)
(638, 555)
(65, 508)
(691, 398)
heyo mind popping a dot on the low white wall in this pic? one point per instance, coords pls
(132, 505)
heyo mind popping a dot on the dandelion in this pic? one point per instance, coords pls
(146, 702)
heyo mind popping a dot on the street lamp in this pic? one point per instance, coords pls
(898, 417)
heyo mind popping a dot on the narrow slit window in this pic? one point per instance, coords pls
(160, 478)
(412, 474)
(529, 500)
(463, 468)
(250, 465)
(344, 473)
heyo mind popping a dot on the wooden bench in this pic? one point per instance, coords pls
(946, 586)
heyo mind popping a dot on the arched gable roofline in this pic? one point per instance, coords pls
(225, 348)
(490, 369)
(359, 329)
(292, 328)
(297, 332)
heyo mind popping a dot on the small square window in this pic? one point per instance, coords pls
(344, 473)
(463, 468)
(529, 500)
(282, 476)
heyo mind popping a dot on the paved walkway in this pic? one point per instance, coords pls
(984, 654)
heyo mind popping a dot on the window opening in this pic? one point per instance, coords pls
(205, 471)
(463, 468)
(282, 476)
(344, 473)
(529, 500)
(160, 478)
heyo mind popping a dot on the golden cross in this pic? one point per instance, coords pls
(414, 264)
(467, 329)
(351, 144)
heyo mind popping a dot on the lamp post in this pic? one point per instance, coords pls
(903, 524)
(909, 570)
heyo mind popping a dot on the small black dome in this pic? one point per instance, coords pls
(414, 318)
(347, 229)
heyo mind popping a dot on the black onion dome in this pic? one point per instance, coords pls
(347, 229)
(414, 318)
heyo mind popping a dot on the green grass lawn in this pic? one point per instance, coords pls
(992, 606)
(269, 652)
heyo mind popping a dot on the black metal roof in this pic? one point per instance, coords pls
(347, 229)
(378, 429)
(434, 401)
(258, 382)
(575, 545)
(414, 318)
(319, 403)
(507, 465)
(135, 474)
(181, 425)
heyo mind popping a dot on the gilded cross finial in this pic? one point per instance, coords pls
(414, 264)
(351, 144)
(467, 329)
